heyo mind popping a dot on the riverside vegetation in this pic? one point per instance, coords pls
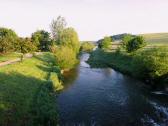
(135, 58)
(28, 89)
(87, 47)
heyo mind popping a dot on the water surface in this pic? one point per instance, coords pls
(105, 97)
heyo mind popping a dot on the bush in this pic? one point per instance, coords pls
(152, 63)
(135, 44)
(126, 39)
(87, 46)
(65, 57)
(106, 42)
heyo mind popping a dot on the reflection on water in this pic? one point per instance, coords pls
(106, 97)
(70, 77)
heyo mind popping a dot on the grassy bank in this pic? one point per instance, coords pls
(149, 65)
(9, 56)
(27, 92)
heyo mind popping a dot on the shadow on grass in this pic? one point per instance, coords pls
(46, 68)
(18, 95)
(46, 57)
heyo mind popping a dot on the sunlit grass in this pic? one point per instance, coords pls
(9, 56)
(156, 38)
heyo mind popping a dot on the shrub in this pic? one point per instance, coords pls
(126, 39)
(152, 63)
(135, 44)
(65, 57)
(106, 42)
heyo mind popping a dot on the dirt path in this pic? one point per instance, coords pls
(18, 59)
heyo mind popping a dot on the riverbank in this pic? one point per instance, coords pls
(106, 97)
(147, 65)
(28, 91)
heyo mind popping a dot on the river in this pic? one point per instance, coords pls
(105, 97)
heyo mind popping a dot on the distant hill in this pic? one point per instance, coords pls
(117, 37)
(156, 38)
(151, 38)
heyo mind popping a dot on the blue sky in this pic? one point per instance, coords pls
(92, 19)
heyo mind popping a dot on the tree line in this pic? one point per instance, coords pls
(62, 41)
(133, 57)
(11, 42)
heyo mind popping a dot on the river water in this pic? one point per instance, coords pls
(105, 97)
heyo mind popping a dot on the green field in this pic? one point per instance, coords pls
(24, 92)
(153, 40)
(156, 38)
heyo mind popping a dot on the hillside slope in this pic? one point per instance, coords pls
(156, 38)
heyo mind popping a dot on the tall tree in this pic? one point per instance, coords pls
(8, 38)
(41, 39)
(57, 26)
(25, 45)
(70, 38)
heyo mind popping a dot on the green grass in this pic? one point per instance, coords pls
(21, 87)
(156, 38)
(10, 56)
(103, 59)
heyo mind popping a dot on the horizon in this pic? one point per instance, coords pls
(91, 19)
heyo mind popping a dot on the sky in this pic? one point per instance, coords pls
(92, 19)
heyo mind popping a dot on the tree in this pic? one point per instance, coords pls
(25, 45)
(57, 26)
(106, 42)
(8, 38)
(65, 57)
(135, 44)
(41, 39)
(70, 38)
(126, 39)
(87, 46)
